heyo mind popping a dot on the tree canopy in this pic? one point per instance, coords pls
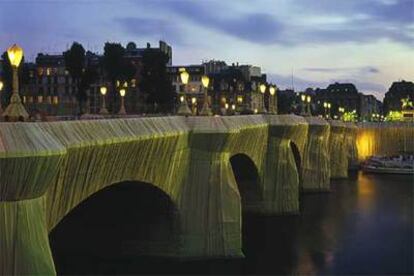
(154, 80)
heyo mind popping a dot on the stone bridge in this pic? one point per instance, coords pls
(47, 169)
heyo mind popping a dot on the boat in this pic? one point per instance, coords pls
(398, 164)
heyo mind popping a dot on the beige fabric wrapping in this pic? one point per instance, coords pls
(352, 150)
(316, 168)
(338, 150)
(47, 169)
(384, 138)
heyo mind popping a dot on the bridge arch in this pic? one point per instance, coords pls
(248, 181)
(117, 223)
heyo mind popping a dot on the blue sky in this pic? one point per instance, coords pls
(368, 42)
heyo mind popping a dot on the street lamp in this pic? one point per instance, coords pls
(122, 110)
(205, 111)
(183, 109)
(103, 110)
(262, 88)
(226, 107)
(303, 103)
(1, 88)
(194, 105)
(308, 100)
(272, 103)
(329, 110)
(15, 110)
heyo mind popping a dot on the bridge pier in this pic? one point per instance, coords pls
(24, 241)
(316, 162)
(210, 207)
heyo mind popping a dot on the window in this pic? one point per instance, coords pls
(48, 71)
(55, 100)
(40, 99)
(133, 83)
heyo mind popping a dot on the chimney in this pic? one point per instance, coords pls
(148, 45)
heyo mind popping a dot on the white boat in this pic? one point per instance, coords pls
(401, 164)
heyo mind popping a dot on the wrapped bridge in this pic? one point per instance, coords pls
(47, 169)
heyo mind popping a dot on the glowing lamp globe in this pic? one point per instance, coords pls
(308, 99)
(262, 88)
(205, 80)
(122, 92)
(1, 85)
(184, 77)
(272, 90)
(182, 99)
(329, 105)
(226, 106)
(193, 100)
(303, 97)
(103, 90)
(325, 104)
(15, 54)
(233, 107)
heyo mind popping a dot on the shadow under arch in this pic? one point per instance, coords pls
(247, 178)
(113, 227)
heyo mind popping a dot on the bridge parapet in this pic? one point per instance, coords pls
(338, 149)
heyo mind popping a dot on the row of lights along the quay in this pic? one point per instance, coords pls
(183, 108)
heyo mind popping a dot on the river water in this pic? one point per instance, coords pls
(363, 226)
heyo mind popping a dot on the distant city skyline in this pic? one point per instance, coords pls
(369, 43)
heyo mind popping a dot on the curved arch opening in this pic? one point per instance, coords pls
(113, 227)
(247, 178)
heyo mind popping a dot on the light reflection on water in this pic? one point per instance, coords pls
(364, 226)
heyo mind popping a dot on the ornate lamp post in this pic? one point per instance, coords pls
(183, 109)
(329, 110)
(103, 110)
(122, 111)
(194, 105)
(206, 110)
(308, 104)
(1, 88)
(226, 108)
(325, 107)
(262, 88)
(272, 91)
(303, 104)
(15, 110)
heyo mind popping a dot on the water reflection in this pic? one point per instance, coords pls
(364, 226)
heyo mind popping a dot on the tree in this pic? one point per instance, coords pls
(113, 63)
(75, 64)
(154, 80)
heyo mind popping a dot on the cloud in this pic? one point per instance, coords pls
(256, 27)
(152, 28)
(350, 70)
(360, 21)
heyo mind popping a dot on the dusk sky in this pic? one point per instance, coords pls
(367, 42)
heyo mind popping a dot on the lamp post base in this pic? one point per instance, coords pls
(184, 110)
(15, 111)
(206, 111)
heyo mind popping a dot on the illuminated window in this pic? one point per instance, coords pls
(55, 100)
(40, 71)
(49, 99)
(24, 99)
(66, 72)
(40, 99)
(48, 71)
(133, 83)
(30, 99)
